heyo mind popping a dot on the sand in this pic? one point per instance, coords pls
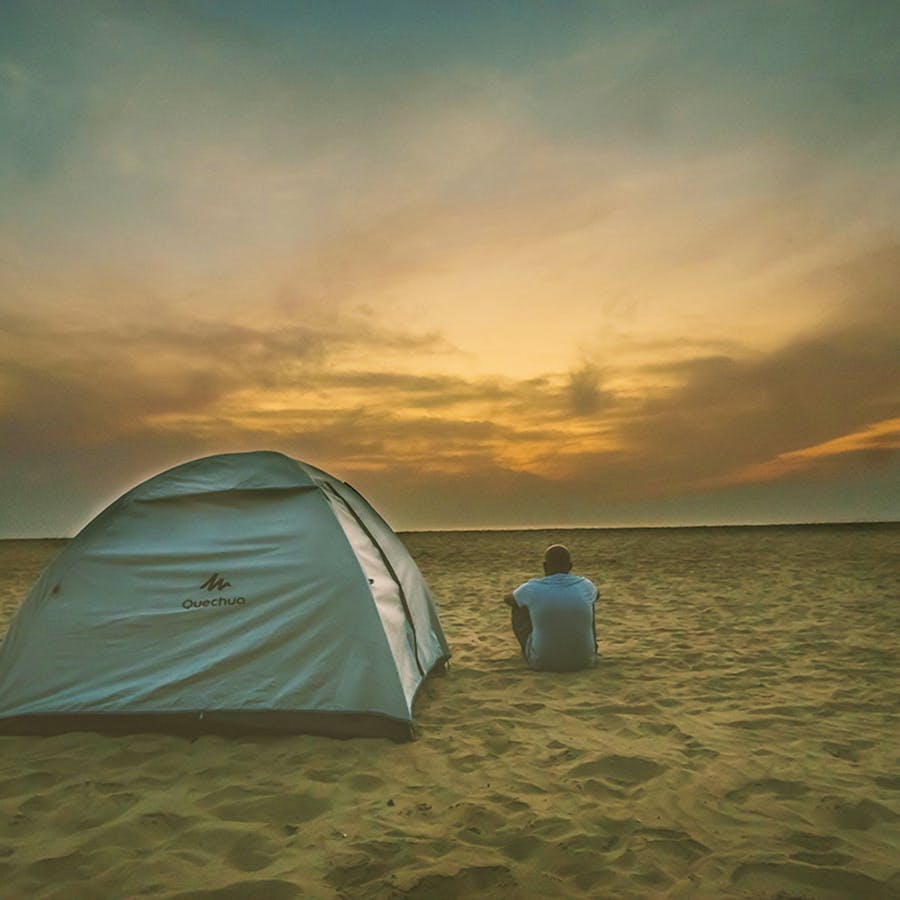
(739, 738)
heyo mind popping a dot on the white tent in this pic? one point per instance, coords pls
(246, 591)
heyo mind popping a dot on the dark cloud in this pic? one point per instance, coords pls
(586, 395)
(83, 386)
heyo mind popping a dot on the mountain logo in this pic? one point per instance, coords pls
(215, 583)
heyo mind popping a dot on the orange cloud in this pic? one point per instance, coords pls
(878, 436)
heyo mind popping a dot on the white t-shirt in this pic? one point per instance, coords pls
(561, 607)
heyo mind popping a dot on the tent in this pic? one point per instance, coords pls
(239, 592)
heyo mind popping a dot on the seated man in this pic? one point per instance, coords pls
(553, 616)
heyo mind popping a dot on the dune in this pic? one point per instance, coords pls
(738, 738)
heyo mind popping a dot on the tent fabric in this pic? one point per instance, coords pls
(244, 591)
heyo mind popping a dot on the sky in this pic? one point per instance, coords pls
(495, 264)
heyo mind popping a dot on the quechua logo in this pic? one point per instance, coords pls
(215, 583)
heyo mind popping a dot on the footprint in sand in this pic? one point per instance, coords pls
(270, 888)
(490, 881)
(695, 750)
(784, 790)
(474, 821)
(861, 815)
(57, 868)
(245, 849)
(625, 770)
(677, 845)
(360, 867)
(833, 858)
(849, 751)
(364, 782)
(28, 785)
(245, 805)
(522, 846)
(817, 843)
(163, 820)
(252, 852)
(768, 877)
(601, 788)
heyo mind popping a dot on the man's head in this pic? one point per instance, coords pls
(557, 559)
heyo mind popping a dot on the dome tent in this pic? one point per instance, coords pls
(245, 591)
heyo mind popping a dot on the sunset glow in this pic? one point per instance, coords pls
(497, 265)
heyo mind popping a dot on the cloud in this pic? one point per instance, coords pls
(591, 264)
(86, 384)
(877, 444)
(686, 424)
(585, 393)
(729, 419)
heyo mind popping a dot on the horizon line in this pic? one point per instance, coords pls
(528, 528)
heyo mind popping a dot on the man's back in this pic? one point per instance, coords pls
(561, 607)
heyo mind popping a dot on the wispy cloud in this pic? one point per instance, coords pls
(695, 418)
(878, 442)
(584, 258)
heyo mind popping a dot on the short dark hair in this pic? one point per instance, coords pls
(557, 559)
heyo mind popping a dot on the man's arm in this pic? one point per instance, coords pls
(510, 600)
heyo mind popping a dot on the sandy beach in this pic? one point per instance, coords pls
(738, 738)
